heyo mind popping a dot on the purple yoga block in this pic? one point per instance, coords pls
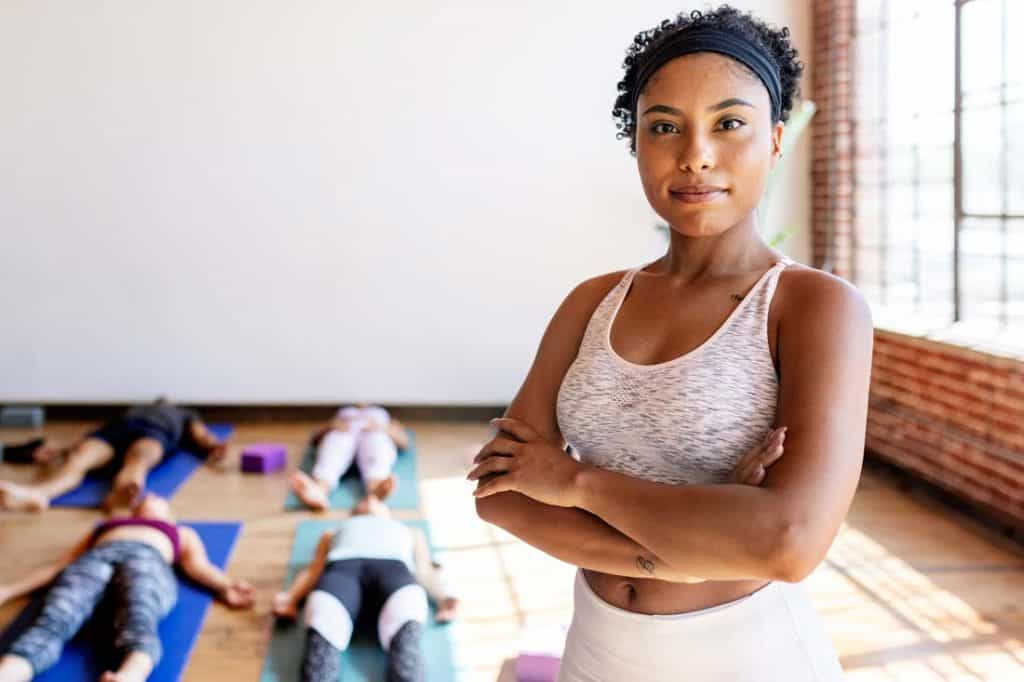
(537, 668)
(264, 457)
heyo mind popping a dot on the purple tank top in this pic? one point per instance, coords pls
(168, 529)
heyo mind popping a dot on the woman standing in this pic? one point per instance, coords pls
(661, 378)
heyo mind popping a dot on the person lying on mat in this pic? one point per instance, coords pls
(135, 443)
(376, 565)
(366, 434)
(134, 555)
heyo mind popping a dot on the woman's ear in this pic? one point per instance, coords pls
(777, 131)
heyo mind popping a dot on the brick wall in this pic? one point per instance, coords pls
(953, 416)
(832, 131)
(949, 415)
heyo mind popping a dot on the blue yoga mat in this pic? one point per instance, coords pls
(350, 489)
(83, 657)
(164, 480)
(364, 660)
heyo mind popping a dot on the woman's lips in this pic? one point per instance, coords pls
(697, 197)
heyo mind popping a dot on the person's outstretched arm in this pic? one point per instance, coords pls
(429, 575)
(42, 575)
(779, 531)
(286, 603)
(196, 565)
(214, 448)
(398, 433)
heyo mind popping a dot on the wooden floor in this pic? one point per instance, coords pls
(909, 591)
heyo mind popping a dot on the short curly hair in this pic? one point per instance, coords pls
(774, 42)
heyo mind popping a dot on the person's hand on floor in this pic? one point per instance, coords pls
(446, 610)
(753, 466)
(217, 455)
(285, 606)
(239, 594)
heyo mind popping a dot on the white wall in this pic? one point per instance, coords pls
(258, 201)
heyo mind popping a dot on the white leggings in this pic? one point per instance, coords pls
(373, 451)
(772, 635)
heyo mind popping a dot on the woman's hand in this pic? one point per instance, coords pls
(446, 610)
(285, 606)
(238, 594)
(518, 459)
(752, 467)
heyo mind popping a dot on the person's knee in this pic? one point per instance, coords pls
(87, 455)
(145, 452)
(327, 615)
(407, 604)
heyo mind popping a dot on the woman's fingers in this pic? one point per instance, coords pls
(519, 430)
(491, 465)
(498, 446)
(752, 468)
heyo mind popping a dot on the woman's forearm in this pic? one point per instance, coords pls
(719, 532)
(304, 583)
(574, 536)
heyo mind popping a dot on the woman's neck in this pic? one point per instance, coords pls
(739, 249)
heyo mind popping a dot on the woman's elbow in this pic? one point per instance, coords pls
(497, 509)
(795, 555)
(489, 508)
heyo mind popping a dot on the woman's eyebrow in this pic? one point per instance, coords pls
(724, 104)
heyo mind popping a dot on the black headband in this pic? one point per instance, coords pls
(707, 39)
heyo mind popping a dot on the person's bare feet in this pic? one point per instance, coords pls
(14, 497)
(124, 495)
(382, 489)
(135, 668)
(309, 491)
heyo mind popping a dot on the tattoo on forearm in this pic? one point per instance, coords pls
(645, 565)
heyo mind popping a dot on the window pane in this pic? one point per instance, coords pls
(1015, 46)
(981, 282)
(981, 56)
(982, 143)
(1015, 156)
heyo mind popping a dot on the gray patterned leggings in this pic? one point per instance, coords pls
(144, 590)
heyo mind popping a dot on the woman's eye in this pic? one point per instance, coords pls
(663, 128)
(732, 124)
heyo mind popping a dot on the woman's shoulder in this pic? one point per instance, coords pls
(809, 293)
(589, 293)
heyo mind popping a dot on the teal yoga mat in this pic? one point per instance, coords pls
(350, 489)
(363, 661)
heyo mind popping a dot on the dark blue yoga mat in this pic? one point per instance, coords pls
(350, 488)
(85, 657)
(164, 480)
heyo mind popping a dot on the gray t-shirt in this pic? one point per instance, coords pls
(167, 417)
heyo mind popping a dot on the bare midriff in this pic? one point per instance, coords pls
(150, 536)
(659, 597)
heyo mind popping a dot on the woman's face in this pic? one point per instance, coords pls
(705, 143)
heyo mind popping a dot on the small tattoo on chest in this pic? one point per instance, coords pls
(736, 298)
